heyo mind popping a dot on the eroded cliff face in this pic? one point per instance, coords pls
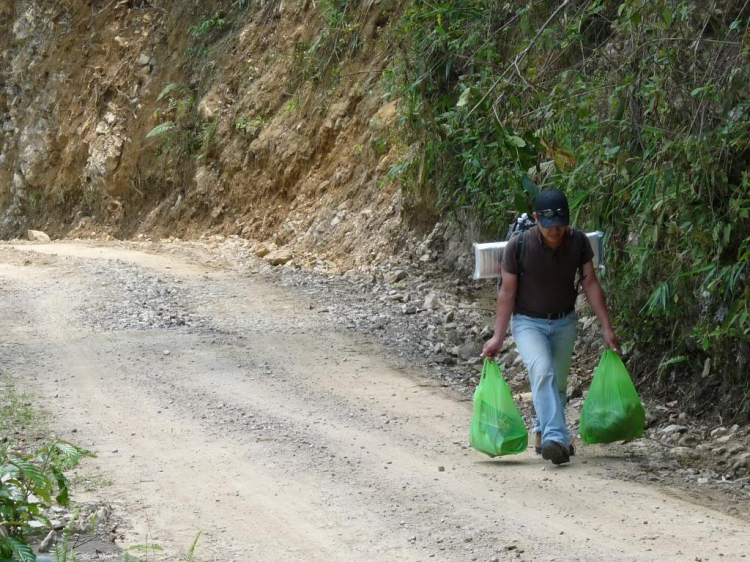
(278, 127)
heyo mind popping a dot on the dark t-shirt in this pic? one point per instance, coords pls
(547, 285)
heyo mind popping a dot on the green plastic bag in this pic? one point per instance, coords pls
(497, 427)
(612, 410)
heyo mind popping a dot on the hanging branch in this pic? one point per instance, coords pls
(522, 55)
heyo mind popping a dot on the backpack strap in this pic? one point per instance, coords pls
(581, 276)
(521, 251)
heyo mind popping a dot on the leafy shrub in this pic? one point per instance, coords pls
(207, 25)
(29, 485)
(639, 111)
(180, 130)
(338, 37)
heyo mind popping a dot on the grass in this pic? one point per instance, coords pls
(16, 412)
(90, 482)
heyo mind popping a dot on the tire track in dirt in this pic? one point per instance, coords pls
(287, 440)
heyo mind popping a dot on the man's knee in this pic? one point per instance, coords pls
(541, 371)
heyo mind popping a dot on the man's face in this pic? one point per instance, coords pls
(554, 235)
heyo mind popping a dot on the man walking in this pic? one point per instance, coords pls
(539, 292)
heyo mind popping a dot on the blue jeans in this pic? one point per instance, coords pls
(546, 347)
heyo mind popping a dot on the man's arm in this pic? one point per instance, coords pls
(506, 300)
(594, 294)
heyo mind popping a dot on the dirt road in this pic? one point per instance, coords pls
(220, 403)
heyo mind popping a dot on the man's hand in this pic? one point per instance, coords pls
(492, 347)
(611, 341)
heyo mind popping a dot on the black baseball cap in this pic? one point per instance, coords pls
(552, 208)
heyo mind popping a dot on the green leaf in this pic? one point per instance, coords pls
(169, 88)
(161, 129)
(62, 484)
(191, 550)
(21, 550)
(72, 454)
(145, 546)
(531, 189)
(30, 472)
(515, 140)
(667, 15)
(519, 202)
(463, 100)
(43, 520)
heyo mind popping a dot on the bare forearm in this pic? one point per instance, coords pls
(595, 296)
(505, 303)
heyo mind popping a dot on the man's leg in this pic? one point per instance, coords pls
(533, 343)
(562, 340)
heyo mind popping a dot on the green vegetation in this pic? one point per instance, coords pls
(207, 26)
(638, 110)
(150, 548)
(179, 129)
(204, 33)
(31, 482)
(250, 128)
(16, 414)
(338, 38)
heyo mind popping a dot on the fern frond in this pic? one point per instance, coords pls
(169, 88)
(191, 551)
(161, 129)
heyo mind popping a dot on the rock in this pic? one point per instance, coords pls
(431, 302)
(37, 236)
(263, 250)
(735, 448)
(48, 541)
(719, 432)
(442, 359)
(674, 428)
(706, 368)
(689, 440)
(682, 453)
(279, 257)
(506, 360)
(470, 350)
(486, 333)
(395, 276)
(144, 59)
(574, 391)
(340, 216)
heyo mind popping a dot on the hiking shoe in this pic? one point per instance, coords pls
(538, 446)
(555, 452)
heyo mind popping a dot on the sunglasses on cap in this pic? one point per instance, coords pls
(552, 213)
